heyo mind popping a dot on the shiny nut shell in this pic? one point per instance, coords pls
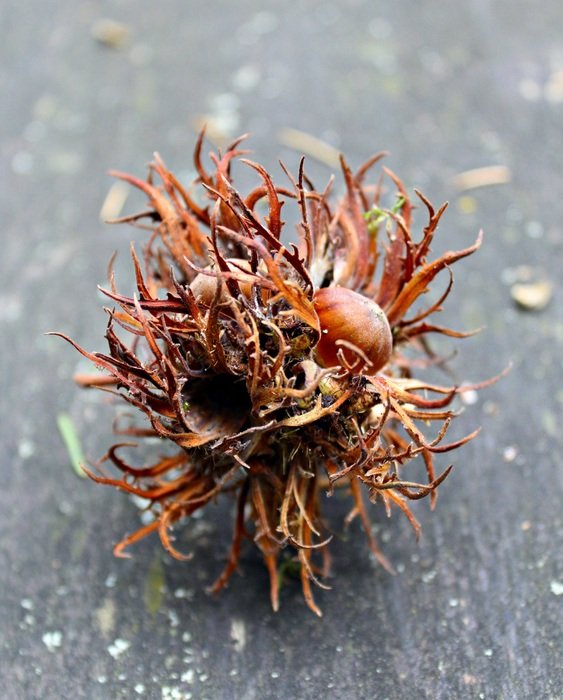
(204, 286)
(348, 316)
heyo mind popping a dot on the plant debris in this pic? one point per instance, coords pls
(482, 177)
(72, 443)
(309, 145)
(114, 202)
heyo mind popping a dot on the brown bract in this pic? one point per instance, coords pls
(218, 350)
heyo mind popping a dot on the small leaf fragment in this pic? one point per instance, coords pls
(154, 586)
(72, 443)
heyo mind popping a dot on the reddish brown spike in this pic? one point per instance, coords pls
(418, 284)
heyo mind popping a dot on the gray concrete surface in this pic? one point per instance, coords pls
(475, 611)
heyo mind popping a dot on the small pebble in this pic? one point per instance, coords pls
(183, 593)
(510, 453)
(52, 640)
(187, 676)
(529, 286)
(238, 634)
(556, 587)
(429, 576)
(118, 648)
(534, 296)
(110, 33)
(174, 693)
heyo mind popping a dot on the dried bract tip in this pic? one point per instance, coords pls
(277, 371)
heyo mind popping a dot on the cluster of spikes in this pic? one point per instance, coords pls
(277, 372)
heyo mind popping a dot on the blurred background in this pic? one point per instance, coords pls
(468, 99)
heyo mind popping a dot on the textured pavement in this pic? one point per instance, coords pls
(475, 610)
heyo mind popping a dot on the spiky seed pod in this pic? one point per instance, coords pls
(277, 371)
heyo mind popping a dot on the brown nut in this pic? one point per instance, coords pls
(204, 286)
(347, 316)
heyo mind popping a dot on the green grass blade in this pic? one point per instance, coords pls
(72, 443)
